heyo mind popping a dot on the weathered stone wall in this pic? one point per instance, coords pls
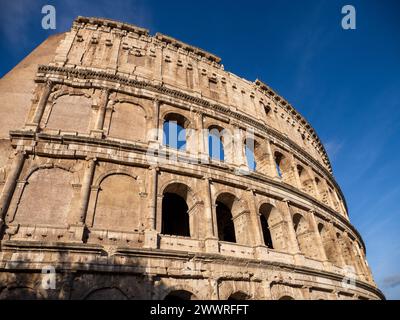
(79, 191)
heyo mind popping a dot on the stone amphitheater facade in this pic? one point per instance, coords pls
(80, 194)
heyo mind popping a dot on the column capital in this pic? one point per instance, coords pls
(49, 83)
(157, 100)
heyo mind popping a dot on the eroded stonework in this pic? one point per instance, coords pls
(78, 119)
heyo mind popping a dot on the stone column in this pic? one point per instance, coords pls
(322, 254)
(101, 113)
(86, 187)
(340, 202)
(329, 196)
(151, 221)
(338, 249)
(296, 173)
(317, 194)
(293, 244)
(273, 170)
(266, 284)
(364, 263)
(214, 292)
(10, 184)
(202, 138)
(151, 234)
(42, 104)
(238, 152)
(154, 127)
(255, 217)
(211, 241)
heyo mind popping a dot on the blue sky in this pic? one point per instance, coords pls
(345, 82)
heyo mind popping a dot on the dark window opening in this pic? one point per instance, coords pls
(179, 295)
(175, 218)
(278, 160)
(226, 228)
(266, 232)
(238, 296)
(267, 110)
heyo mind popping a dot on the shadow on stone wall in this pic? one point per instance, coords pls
(100, 278)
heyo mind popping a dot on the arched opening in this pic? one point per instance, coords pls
(283, 167)
(226, 228)
(278, 161)
(239, 295)
(249, 147)
(216, 143)
(106, 294)
(175, 218)
(174, 128)
(225, 224)
(329, 247)
(175, 215)
(265, 219)
(319, 187)
(303, 234)
(273, 227)
(346, 251)
(286, 298)
(257, 156)
(179, 295)
(266, 232)
(305, 180)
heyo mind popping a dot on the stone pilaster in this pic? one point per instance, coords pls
(86, 187)
(293, 244)
(272, 165)
(258, 239)
(98, 130)
(211, 241)
(10, 184)
(41, 105)
(320, 245)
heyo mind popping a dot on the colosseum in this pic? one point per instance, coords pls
(133, 166)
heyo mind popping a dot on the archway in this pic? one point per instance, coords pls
(303, 235)
(238, 295)
(216, 143)
(283, 167)
(175, 217)
(273, 227)
(179, 295)
(286, 298)
(174, 128)
(226, 227)
(306, 181)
